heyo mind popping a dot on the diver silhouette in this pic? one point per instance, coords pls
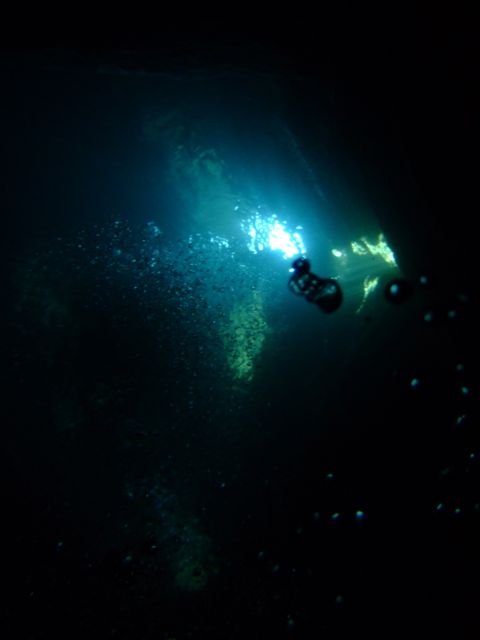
(324, 292)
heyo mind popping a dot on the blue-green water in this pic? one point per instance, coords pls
(191, 450)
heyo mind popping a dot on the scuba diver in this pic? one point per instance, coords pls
(324, 292)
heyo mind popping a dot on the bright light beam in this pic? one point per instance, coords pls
(272, 234)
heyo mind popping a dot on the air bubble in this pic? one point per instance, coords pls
(398, 291)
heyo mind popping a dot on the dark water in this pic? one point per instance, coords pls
(189, 451)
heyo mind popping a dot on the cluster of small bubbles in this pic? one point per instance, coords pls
(153, 229)
(184, 289)
(452, 509)
(267, 232)
(337, 516)
(179, 534)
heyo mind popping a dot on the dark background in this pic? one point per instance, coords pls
(399, 87)
(400, 91)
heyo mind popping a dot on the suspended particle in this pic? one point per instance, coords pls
(335, 516)
(465, 391)
(426, 280)
(460, 421)
(415, 382)
(428, 317)
(398, 291)
(394, 289)
(359, 515)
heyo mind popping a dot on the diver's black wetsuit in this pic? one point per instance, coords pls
(324, 292)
